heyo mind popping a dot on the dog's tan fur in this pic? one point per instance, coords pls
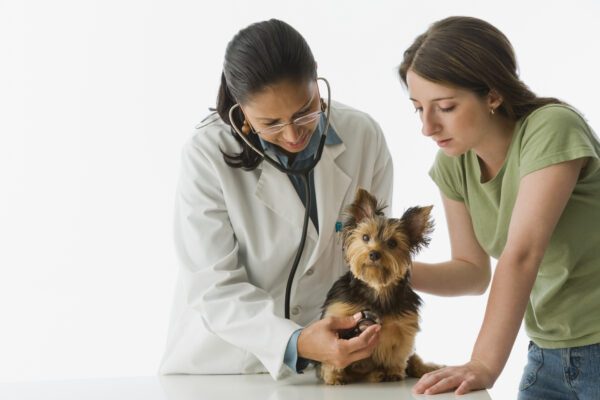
(395, 240)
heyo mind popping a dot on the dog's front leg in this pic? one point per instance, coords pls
(332, 375)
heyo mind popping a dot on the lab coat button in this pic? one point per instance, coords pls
(296, 310)
(310, 271)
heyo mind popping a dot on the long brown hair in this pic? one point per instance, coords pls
(472, 54)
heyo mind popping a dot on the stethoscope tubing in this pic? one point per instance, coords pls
(290, 281)
(304, 173)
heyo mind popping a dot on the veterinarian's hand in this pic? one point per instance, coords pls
(320, 342)
(474, 375)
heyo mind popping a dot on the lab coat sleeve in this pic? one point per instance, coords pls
(216, 285)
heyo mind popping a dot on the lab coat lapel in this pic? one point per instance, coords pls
(276, 191)
(331, 185)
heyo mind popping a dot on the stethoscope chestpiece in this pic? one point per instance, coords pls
(368, 318)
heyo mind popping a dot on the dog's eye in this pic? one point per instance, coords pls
(392, 243)
(366, 238)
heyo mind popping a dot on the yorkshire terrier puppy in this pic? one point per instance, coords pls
(378, 251)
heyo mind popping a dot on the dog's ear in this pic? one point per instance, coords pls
(417, 223)
(364, 206)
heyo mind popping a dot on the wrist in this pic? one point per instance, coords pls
(300, 345)
(491, 371)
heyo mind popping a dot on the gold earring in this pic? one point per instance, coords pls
(492, 111)
(323, 105)
(245, 128)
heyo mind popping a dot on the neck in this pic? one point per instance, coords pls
(492, 152)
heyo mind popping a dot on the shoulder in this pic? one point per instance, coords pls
(349, 122)
(552, 134)
(201, 152)
(361, 135)
(554, 125)
(449, 165)
(448, 173)
(209, 137)
(554, 117)
(444, 160)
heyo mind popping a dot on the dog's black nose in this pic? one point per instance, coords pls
(374, 255)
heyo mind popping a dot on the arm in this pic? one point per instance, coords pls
(216, 284)
(215, 288)
(542, 197)
(468, 271)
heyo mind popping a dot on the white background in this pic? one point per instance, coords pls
(96, 100)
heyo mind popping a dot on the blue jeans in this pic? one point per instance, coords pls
(561, 374)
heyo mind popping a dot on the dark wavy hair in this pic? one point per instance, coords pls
(472, 54)
(259, 55)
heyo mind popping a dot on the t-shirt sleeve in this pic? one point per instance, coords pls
(555, 134)
(445, 172)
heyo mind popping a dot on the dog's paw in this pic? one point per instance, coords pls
(417, 368)
(375, 376)
(335, 381)
(395, 375)
(332, 375)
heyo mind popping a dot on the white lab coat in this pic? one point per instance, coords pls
(236, 235)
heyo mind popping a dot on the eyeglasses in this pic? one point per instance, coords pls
(301, 121)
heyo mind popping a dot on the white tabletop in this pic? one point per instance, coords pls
(198, 387)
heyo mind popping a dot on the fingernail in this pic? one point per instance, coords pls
(377, 329)
(357, 316)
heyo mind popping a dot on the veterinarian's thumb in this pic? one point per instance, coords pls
(345, 322)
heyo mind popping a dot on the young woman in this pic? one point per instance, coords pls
(239, 219)
(519, 177)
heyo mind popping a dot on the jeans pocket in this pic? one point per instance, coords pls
(535, 360)
(584, 370)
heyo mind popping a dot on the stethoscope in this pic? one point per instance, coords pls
(304, 174)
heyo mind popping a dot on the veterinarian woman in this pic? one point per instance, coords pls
(239, 219)
(519, 177)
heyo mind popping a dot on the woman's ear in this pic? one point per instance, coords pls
(246, 127)
(494, 99)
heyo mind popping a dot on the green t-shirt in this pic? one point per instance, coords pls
(564, 305)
